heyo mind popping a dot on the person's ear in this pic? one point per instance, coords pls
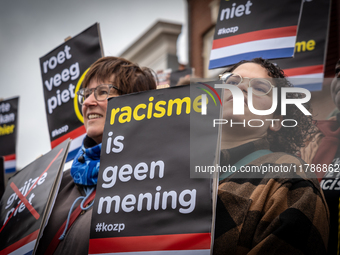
(276, 125)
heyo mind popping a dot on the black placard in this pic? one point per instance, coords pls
(254, 28)
(27, 201)
(307, 67)
(8, 132)
(145, 193)
(62, 71)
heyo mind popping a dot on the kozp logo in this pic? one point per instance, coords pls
(238, 100)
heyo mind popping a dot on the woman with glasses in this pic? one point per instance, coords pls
(68, 229)
(269, 204)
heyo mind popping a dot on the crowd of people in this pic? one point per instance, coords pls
(275, 213)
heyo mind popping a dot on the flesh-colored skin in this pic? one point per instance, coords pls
(94, 113)
(237, 135)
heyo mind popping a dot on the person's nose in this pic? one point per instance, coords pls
(90, 100)
(244, 85)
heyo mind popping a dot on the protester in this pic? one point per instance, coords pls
(68, 229)
(274, 212)
(323, 154)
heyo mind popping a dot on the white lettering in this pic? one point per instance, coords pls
(241, 9)
(110, 174)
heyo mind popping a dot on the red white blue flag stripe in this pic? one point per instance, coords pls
(310, 77)
(77, 137)
(267, 43)
(196, 243)
(24, 246)
(10, 163)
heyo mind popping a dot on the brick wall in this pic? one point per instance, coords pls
(199, 21)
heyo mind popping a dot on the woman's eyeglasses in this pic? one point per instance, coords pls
(260, 86)
(101, 92)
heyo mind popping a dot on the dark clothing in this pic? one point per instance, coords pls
(76, 240)
(77, 237)
(274, 213)
(325, 150)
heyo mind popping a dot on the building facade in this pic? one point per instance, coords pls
(202, 16)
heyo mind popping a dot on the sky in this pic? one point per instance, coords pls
(29, 29)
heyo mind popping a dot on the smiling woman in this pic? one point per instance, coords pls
(107, 77)
(271, 200)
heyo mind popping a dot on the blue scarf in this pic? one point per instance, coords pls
(86, 164)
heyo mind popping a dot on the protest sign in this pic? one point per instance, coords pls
(2, 177)
(27, 202)
(63, 70)
(146, 200)
(8, 132)
(254, 28)
(306, 69)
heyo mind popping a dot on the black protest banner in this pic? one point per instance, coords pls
(2, 176)
(27, 202)
(63, 70)
(8, 132)
(307, 67)
(254, 28)
(146, 199)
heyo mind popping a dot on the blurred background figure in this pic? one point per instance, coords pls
(323, 154)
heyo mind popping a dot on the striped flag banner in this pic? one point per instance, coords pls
(8, 132)
(269, 44)
(197, 243)
(24, 246)
(306, 69)
(77, 137)
(254, 28)
(10, 163)
(310, 77)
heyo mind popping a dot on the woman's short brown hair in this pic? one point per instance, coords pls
(122, 73)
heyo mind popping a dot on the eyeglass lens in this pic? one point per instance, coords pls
(260, 86)
(100, 93)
